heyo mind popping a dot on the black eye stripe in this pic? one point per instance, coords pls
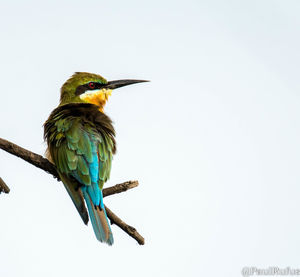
(92, 85)
(83, 88)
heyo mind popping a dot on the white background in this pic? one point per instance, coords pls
(213, 139)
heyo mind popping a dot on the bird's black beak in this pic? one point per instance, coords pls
(122, 83)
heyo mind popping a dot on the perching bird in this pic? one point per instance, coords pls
(81, 143)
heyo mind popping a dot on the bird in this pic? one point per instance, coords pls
(81, 143)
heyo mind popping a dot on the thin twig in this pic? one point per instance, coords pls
(44, 164)
(3, 187)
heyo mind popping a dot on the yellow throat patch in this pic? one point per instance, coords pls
(96, 97)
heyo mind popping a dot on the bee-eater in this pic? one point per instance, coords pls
(81, 143)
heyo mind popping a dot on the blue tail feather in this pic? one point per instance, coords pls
(99, 219)
(95, 193)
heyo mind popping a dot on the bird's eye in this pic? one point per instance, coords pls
(91, 85)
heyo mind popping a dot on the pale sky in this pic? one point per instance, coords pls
(213, 139)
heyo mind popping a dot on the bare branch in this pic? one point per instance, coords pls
(120, 188)
(131, 231)
(28, 156)
(3, 187)
(44, 164)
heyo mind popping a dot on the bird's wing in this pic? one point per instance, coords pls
(64, 140)
(82, 155)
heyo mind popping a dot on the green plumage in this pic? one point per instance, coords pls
(71, 132)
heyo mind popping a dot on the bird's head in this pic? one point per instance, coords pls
(91, 88)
